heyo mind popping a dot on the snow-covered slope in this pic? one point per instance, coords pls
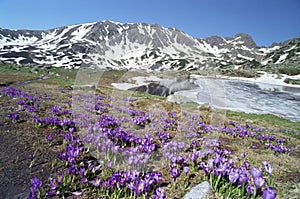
(109, 44)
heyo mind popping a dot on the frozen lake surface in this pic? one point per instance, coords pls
(245, 96)
(265, 95)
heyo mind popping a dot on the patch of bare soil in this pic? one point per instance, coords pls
(18, 140)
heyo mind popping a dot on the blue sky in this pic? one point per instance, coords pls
(267, 21)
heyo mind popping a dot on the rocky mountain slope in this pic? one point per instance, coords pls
(114, 45)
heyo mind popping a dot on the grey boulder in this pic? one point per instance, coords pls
(200, 191)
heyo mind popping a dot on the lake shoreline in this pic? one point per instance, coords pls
(219, 92)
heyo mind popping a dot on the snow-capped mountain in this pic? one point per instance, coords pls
(109, 44)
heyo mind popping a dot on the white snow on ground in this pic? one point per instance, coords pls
(246, 48)
(265, 62)
(266, 78)
(22, 40)
(19, 59)
(260, 53)
(123, 86)
(82, 31)
(139, 81)
(291, 48)
(281, 58)
(244, 57)
(236, 67)
(273, 79)
(268, 50)
(214, 50)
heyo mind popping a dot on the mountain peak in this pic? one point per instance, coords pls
(247, 39)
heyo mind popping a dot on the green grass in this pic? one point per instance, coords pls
(269, 121)
(292, 81)
(12, 73)
(290, 70)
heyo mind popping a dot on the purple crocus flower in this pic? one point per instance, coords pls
(36, 184)
(180, 160)
(259, 182)
(63, 156)
(112, 181)
(186, 170)
(14, 116)
(250, 189)
(140, 187)
(31, 156)
(84, 180)
(71, 129)
(81, 171)
(196, 143)
(50, 137)
(105, 184)
(161, 193)
(109, 164)
(21, 102)
(269, 193)
(194, 156)
(204, 167)
(268, 167)
(52, 192)
(72, 170)
(256, 172)
(247, 164)
(96, 182)
(60, 178)
(231, 123)
(154, 196)
(175, 173)
(233, 175)
(156, 177)
(90, 166)
(243, 178)
(53, 184)
(222, 169)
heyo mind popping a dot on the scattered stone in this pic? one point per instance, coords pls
(178, 99)
(48, 67)
(34, 71)
(249, 121)
(201, 191)
(5, 83)
(132, 99)
(153, 89)
(84, 87)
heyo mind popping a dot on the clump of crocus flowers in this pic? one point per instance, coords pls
(36, 185)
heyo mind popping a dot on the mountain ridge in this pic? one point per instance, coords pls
(108, 44)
